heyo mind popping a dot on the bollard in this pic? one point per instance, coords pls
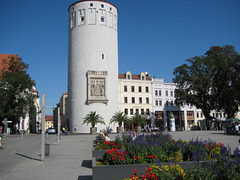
(1, 143)
(47, 149)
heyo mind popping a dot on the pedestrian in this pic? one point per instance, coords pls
(237, 150)
(236, 128)
(134, 135)
(102, 134)
(107, 137)
(75, 129)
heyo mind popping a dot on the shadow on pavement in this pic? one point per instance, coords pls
(85, 177)
(27, 157)
(87, 163)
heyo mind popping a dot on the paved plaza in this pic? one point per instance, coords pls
(71, 157)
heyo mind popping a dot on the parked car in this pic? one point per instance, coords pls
(51, 131)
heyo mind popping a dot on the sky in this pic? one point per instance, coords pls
(154, 36)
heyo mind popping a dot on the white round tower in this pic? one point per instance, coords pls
(92, 62)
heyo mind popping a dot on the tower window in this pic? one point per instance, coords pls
(102, 19)
(102, 6)
(91, 5)
(102, 56)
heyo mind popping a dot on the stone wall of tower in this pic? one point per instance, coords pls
(92, 62)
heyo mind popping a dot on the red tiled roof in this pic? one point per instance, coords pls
(48, 118)
(34, 90)
(135, 77)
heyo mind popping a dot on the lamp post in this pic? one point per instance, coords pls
(43, 127)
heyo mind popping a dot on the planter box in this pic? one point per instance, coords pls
(120, 130)
(116, 172)
(93, 130)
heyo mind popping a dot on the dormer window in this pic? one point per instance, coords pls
(143, 78)
(128, 76)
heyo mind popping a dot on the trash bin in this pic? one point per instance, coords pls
(47, 149)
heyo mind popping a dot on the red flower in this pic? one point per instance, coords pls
(138, 157)
(154, 156)
(135, 171)
(122, 159)
(134, 157)
(149, 169)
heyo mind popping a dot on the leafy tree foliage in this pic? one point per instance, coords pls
(120, 118)
(138, 119)
(93, 118)
(15, 90)
(210, 81)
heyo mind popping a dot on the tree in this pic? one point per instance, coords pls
(138, 119)
(15, 90)
(93, 118)
(205, 81)
(120, 118)
(226, 78)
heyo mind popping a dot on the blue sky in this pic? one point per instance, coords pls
(155, 36)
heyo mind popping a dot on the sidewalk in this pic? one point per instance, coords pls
(70, 159)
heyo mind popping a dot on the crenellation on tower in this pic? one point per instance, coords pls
(93, 13)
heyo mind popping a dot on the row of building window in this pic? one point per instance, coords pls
(129, 77)
(102, 6)
(133, 89)
(159, 93)
(140, 101)
(137, 111)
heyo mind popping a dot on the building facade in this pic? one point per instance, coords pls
(92, 62)
(164, 105)
(135, 95)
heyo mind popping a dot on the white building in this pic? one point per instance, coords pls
(164, 105)
(92, 62)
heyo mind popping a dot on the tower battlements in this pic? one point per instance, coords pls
(95, 12)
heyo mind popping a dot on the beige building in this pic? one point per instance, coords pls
(60, 112)
(135, 94)
(48, 122)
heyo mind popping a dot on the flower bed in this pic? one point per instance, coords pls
(154, 149)
(103, 145)
(211, 170)
(160, 148)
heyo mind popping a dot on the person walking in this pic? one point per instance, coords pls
(237, 150)
(236, 129)
(75, 129)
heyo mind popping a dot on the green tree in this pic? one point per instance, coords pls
(93, 118)
(120, 118)
(15, 90)
(206, 81)
(138, 119)
(226, 78)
